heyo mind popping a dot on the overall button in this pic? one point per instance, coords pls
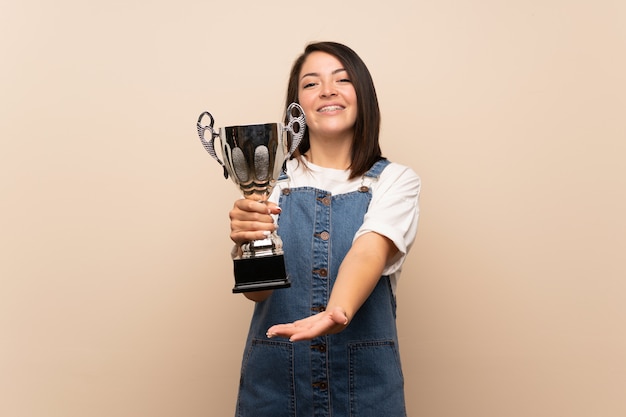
(286, 191)
(318, 309)
(321, 272)
(320, 348)
(324, 199)
(320, 385)
(324, 235)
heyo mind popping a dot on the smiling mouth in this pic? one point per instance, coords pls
(330, 108)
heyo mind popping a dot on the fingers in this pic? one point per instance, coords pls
(311, 327)
(251, 220)
(273, 208)
(241, 237)
(281, 330)
(293, 332)
(253, 206)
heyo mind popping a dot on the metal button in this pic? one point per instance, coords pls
(286, 191)
(321, 348)
(324, 199)
(320, 385)
(323, 272)
(324, 235)
(364, 188)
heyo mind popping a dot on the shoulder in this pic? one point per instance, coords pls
(398, 175)
(397, 169)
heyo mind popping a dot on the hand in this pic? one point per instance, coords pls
(251, 220)
(326, 322)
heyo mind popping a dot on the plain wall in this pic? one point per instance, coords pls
(115, 274)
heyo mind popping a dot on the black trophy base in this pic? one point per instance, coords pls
(262, 273)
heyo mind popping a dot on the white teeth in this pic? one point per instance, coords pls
(330, 108)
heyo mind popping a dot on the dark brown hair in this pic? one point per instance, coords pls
(365, 146)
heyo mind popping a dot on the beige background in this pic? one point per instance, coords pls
(115, 276)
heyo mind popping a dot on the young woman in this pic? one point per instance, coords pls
(328, 346)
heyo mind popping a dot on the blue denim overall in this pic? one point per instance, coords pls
(354, 373)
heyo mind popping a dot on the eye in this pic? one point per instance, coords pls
(345, 80)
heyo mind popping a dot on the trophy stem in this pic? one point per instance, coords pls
(258, 195)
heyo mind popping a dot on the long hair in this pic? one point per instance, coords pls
(365, 144)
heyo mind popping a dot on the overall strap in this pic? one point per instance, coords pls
(372, 175)
(283, 175)
(377, 168)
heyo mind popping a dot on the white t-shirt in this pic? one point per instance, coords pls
(393, 211)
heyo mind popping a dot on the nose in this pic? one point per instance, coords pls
(328, 90)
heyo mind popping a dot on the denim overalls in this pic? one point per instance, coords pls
(354, 373)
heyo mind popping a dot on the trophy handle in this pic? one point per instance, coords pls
(296, 124)
(209, 144)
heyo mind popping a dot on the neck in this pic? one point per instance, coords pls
(329, 155)
(330, 152)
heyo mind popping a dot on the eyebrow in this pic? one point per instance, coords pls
(316, 74)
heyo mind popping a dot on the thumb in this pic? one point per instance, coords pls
(339, 316)
(273, 208)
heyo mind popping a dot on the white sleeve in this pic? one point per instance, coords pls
(394, 211)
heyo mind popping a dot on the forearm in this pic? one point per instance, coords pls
(258, 296)
(360, 271)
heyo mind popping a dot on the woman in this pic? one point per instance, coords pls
(347, 218)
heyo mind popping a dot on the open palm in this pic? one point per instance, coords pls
(327, 322)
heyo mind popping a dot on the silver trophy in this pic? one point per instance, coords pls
(254, 156)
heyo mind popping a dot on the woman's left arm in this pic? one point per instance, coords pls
(358, 275)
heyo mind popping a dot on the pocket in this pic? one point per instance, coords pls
(266, 385)
(376, 380)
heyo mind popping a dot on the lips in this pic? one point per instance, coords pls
(330, 108)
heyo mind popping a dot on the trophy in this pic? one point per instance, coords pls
(254, 156)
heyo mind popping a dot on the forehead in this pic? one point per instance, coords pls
(319, 63)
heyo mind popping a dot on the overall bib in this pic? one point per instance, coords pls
(355, 373)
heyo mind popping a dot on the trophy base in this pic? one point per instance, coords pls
(262, 273)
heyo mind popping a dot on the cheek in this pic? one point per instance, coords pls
(304, 95)
(305, 104)
(353, 97)
(305, 101)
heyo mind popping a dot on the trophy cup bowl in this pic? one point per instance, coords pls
(254, 156)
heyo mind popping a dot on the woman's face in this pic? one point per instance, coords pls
(327, 96)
